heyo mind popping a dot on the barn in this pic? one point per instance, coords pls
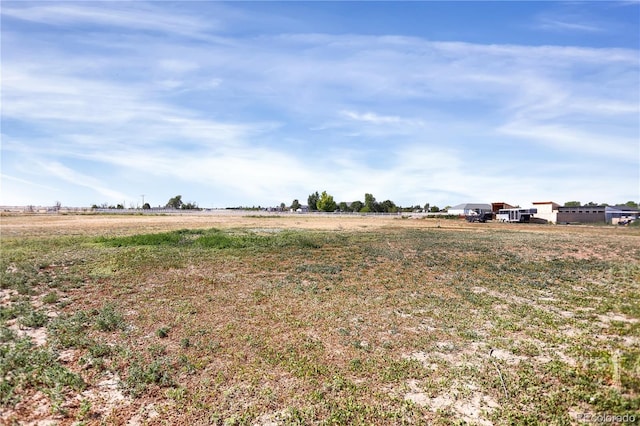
(581, 214)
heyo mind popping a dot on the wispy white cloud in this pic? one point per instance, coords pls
(370, 117)
(557, 25)
(69, 175)
(134, 15)
(572, 140)
(377, 119)
(27, 182)
(177, 66)
(402, 117)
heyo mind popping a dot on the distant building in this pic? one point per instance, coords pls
(581, 214)
(469, 208)
(500, 205)
(547, 210)
(620, 214)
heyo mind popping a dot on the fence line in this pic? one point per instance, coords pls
(221, 211)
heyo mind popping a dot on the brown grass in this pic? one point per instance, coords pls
(389, 320)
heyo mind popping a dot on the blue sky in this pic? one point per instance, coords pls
(258, 103)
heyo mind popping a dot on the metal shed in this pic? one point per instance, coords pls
(581, 214)
(469, 208)
(620, 214)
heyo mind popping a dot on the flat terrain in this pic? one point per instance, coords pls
(305, 319)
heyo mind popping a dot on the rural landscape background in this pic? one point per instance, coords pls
(307, 319)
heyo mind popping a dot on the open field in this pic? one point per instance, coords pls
(303, 319)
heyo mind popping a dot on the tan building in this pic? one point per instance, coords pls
(547, 210)
(581, 214)
(500, 205)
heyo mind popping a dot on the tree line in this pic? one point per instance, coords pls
(631, 204)
(326, 203)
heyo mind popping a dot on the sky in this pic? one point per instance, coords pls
(260, 103)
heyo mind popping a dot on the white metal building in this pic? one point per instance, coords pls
(469, 208)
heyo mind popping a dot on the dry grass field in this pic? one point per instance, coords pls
(303, 319)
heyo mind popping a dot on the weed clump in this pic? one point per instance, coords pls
(34, 319)
(23, 365)
(141, 374)
(109, 319)
(69, 331)
(51, 297)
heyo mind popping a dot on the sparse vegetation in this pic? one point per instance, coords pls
(23, 366)
(411, 321)
(109, 319)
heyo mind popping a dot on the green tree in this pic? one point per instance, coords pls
(370, 203)
(426, 207)
(356, 206)
(312, 201)
(631, 204)
(572, 204)
(434, 209)
(388, 206)
(175, 202)
(344, 207)
(189, 206)
(295, 205)
(146, 206)
(326, 203)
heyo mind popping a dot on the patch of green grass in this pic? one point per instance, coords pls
(84, 412)
(319, 269)
(162, 332)
(157, 350)
(25, 313)
(23, 365)
(219, 240)
(33, 318)
(213, 239)
(160, 239)
(6, 334)
(69, 331)
(99, 350)
(109, 319)
(141, 374)
(22, 278)
(403, 369)
(15, 310)
(51, 297)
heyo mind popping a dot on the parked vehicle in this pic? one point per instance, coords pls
(479, 217)
(516, 215)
